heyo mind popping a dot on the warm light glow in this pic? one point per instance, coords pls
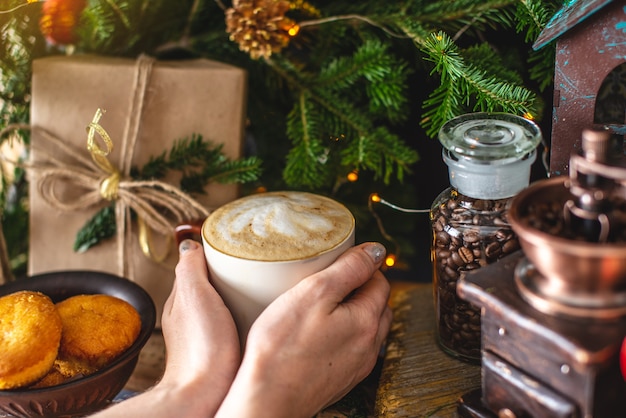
(528, 116)
(390, 261)
(353, 176)
(293, 31)
(261, 189)
(375, 198)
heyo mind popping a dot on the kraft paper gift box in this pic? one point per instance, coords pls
(168, 101)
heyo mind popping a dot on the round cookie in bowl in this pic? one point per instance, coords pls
(83, 393)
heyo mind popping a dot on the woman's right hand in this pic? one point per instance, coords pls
(314, 343)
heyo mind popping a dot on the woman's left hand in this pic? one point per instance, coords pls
(203, 351)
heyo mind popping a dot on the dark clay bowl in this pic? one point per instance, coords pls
(94, 392)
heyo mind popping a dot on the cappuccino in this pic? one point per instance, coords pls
(278, 226)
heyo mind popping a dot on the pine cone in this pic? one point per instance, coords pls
(259, 26)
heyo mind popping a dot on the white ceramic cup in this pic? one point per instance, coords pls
(261, 245)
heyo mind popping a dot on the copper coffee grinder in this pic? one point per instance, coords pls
(554, 313)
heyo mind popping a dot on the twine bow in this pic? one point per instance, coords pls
(159, 206)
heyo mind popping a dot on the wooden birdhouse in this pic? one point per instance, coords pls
(590, 74)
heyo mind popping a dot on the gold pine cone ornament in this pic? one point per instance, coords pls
(260, 27)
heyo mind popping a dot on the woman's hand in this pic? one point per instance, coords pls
(314, 343)
(199, 331)
(202, 348)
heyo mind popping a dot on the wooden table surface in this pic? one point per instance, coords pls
(415, 379)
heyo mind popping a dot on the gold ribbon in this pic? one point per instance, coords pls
(111, 184)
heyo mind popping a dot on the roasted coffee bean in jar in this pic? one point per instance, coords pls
(489, 156)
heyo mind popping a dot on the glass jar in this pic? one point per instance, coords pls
(489, 157)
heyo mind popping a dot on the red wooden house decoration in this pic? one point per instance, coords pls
(590, 74)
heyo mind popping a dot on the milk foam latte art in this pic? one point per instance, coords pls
(278, 226)
(261, 245)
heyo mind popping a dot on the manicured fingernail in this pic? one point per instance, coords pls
(376, 251)
(187, 245)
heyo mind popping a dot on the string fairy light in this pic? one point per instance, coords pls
(390, 261)
(294, 30)
(546, 149)
(375, 198)
(19, 6)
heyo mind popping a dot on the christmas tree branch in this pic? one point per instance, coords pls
(220, 4)
(192, 12)
(118, 11)
(305, 163)
(461, 31)
(450, 15)
(465, 10)
(533, 16)
(468, 82)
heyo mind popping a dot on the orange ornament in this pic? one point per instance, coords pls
(59, 19)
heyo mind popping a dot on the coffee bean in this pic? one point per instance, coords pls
(510, 246)
(503, 234)
(499, 222)
(442, 238)
(471, 236)
(493, 250)
(451, 273)
(472, 266)
(548, 216)
(466, 255)
(440, 223)
(442, 254)
(456, 258)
